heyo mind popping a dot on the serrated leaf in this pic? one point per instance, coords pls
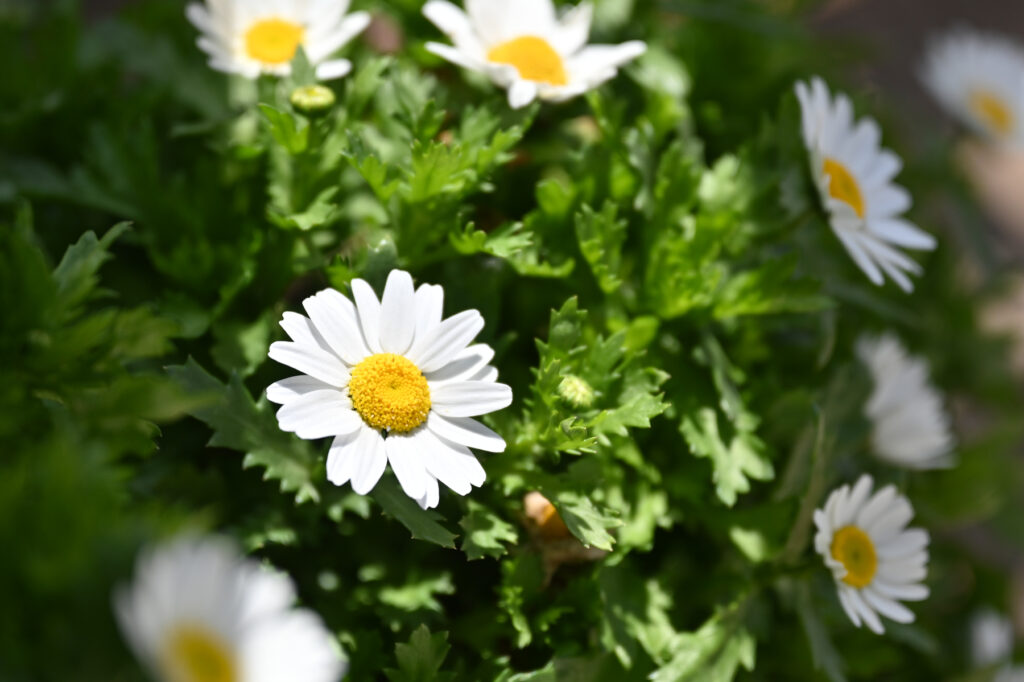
(584, 519)
(241, 424)
(770, 289)
(287, 130)
(601, 236)
(734, 463)
(421, 658)
(77, 275)
(485, 533)
(422, 523)
(714, 653)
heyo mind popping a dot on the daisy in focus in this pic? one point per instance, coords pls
(910, 427)
(525, 47)
(253, 37)
(979, 78)
(197, 611)
(391, 381)
(854, 176)
(876, 560)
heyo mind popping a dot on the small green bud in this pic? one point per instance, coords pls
(576, 391)
(312, 100)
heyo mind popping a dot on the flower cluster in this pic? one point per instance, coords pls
(393, 382)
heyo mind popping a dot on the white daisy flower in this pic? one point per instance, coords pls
(525, 47)
(910, 427)
(854, 175)
(197, 611)
(391, 382)
(992, 646)
(250, 37)
(876, 560)
(979, 78)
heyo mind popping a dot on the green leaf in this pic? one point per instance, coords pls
(734, 462)
(417, 594)
(635, 613)
(288, 130)
(422, 523)
(826, 658)
(420, 660)
(770, 289)
(485, 533)
(714, 653)
(584, 519)
(601, 237)
(240, 424)
(77, 275)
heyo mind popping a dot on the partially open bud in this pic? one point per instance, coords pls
(543, 517)
(313, 100)
(576, 391)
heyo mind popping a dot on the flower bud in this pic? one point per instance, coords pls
(576, 391)
(312, 100)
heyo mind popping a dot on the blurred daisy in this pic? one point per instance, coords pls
(876, 560)
(250, 37)
(391, 382)
(979, 78)
(910, 427)
(992, 646)
(197, 611)
(854, 176)
(525, 47)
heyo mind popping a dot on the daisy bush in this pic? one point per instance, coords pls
(489, 340)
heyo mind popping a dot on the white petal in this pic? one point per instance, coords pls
(368, 308)
(333, 69)
(432, 495)
(343, 458)
(398, 313)
(463, 366)
(868, 614)
(465, 431)
(312, 361)
(469, 398)
(429, 308)
(451, 464)
(407, 454)
(292, 387)
(319, 414)
(292, 645)
(573, 29)
(521, 93)
(455, 56)
(337, 323)
(437, 348)
(887, 607)
(371, 460)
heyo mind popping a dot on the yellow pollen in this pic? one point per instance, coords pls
(853, 549)
(534, 59)
(390, 392)
(194, 654)
(273, 41)
(992, 111)
(843, 186)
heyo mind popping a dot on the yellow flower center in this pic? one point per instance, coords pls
(194, 654)
(843, 186)
(992, 111)
(390, 392)
(273, 41)
(534, 59)
(853, 549)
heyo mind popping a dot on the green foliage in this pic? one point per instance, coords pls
(664, 295)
